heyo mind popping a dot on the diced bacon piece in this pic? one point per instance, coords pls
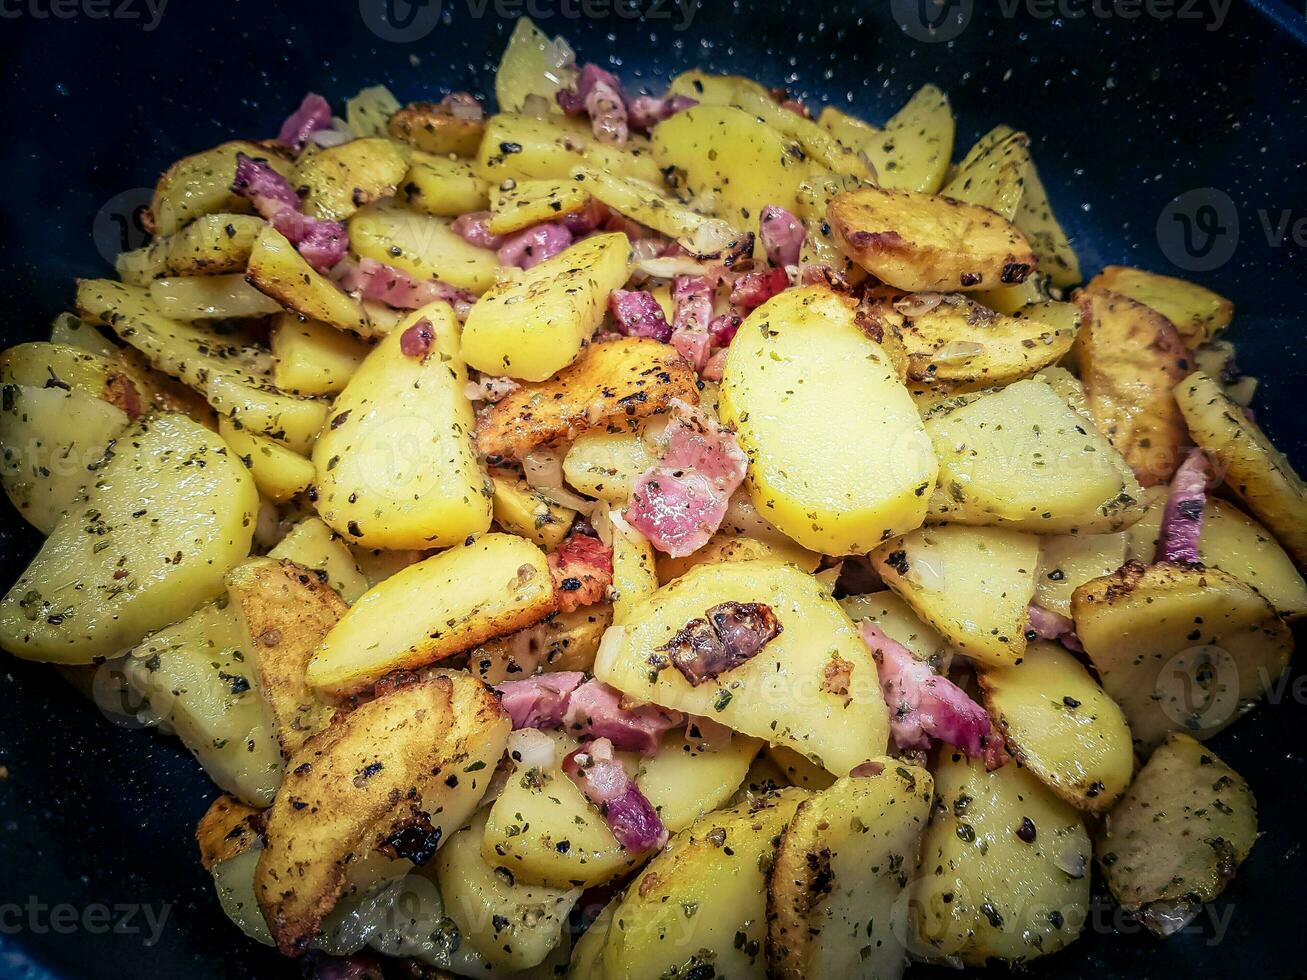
(755, 288)
(533, 245)
(646, 111)
(322, 243)
(690, 336)
(266, 189)
(925, 705)
(313, 114)
(582, 569)
(1182, 518)
(1049, 625)
(782, 235)
(473, 228)
(712, 371)
(539, 701)
(597, 710)
(378, 281)
(723, 329)
(606, 784)
(598, 94)
(679, 503)
(638, 314)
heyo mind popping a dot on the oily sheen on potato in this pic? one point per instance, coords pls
(837, 474)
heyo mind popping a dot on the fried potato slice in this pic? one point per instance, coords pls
(1130, 359)
(1063, 727)
(613, 385)
(912, 151)
(227, 829)
(443, 187)
(433, 128)
(835, 892)
(311, 357)
(451, 602)
(1176, 838)
(565, 641)
(211, 245)
(897, 621)
(731, 547)
(398, 773)
(921, 243)
(1254, 469)
(1068, 561)
(529, 66)
(286, 610)
(524, 203)
(200, 184)
(276, 269)
(315, 546)
(424, 246)
(279, 472)
(993, 173)
(1057, 259)
(1180, 648)
(338, 180)
(1197, 313)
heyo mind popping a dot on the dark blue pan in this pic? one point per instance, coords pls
(1127, 114)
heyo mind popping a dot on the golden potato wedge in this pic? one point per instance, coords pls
(1232, 542)
(994, 172)
(613, 385)
(521, 509)
(1177, 837)
(529, 147)
(731, 547)
(443, 187)
(424, 246)
(311, 357)
(279, 472)
(1035, 218)
(198, 675)
(278, 271)
(1196, 312)
(649, 206)
(1068, 561)
(1004, 870)
(378, 564)
(227, 297)
(1180, 648)
(522, 203)
(533, 326)
(835, 894)
(812, 687)
(897, 621)
(434, 128)
(1021, 457)
(972, 584)
(913, 150)
(338, 180)
(605, 465)
(211, 245)
(712, 89)
(565, 641)
(1130, 359)
(530, 66)
(1061, 725)
(395, 465)
(227, 829)
(1010, 299)
(286, 610)
(368, 111)
(68, 330)
(1253, 468)
(922, 243)
(701, 904)
(170, 512)
(430, 611)
(314, 545)
(797, 770)
(201, 184)
(838, 476)
(635, 575)
(394, 776)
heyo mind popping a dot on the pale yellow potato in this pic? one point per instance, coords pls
(1062, 726)
(314, 545)
(211, 245)
(1010, 299)
(279, 472)
(526, 147)
(338, 180)
(433, 610)
(1253, 468)
(1021, 457)
(897, 621)
(836, 475)
(379, 564)
(919, 242)
(395, 464)
(604, 465)
(635, 569)
(731, 547)
(993, 174)
(813, 687)
(444, 187)
(983, 892)
(525, 512)
(279, 271)
(165, 531)
(650, 206)
(565, 641)
(200, 184)
(1053, 251)
(522, 203)
(819, 246)
(285, 611)
(734, 156)
(971, 583)
(198, 676)
(717, 868)
(434, 128)
(796, 769)
(423, 246)
(691, 776)
(513, 925)
(68, 330)
(1197, 312)
(836, 892)
(311, 357)
(529, 66)
(235, 380)
(419, 758)
(912, 151)
(1177, 837)
(226, 297)
(712, 89)
(1068, 561)
(49, 440)
(1232, 542)
(531, 327)
(1180, 648)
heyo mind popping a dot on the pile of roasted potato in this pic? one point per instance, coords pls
(659, 536)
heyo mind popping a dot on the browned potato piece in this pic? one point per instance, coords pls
(432, 128)
(286, 610)
(227, 829)
(612, 385)
(392, 776)
(201, 184)
(1130, 359)
(921, 243)
(1198, 313)
(566, 641)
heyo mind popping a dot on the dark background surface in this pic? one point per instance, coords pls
(1125, 114)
